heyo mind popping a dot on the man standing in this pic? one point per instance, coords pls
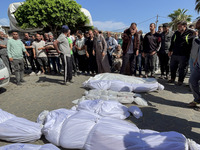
(179, 51)
(100, 48)
(80, 47)
(195, 77)
(53, 56)
(111, 45)
(62, 47)
(90, 53)
(151, 45)
(163, 52)
(39, 52)
(130, 49)
(15, 49)
(3, 51)
(28, 45)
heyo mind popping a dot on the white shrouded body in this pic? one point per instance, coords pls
(122, 83)
(98, 125)
(22, 146)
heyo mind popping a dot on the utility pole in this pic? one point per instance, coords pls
(156, 22)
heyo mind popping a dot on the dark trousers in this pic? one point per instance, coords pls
(92, 64)
(74, 66)
(164, 63)
(179, 63)
(128, 60)
(67, 64)
(75, 55)
(18, 66)
(138, 64)
(110, 60)
(55, 61)
(83, 63)
(150, 63)
(194, 83)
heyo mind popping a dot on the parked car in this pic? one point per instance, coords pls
(4, 74)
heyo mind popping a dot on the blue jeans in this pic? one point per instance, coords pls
(55, 61)
(191, 63)
(138, 64)
(194, 83)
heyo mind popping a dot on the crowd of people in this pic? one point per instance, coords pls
(93, 52)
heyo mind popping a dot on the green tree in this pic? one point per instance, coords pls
(51, 14)
(197, 8)
(179, 15)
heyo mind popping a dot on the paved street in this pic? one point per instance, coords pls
(167, 110)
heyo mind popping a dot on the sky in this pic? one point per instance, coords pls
(116, 15)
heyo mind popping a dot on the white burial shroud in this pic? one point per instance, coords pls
(16, 129)
(22, 146)
(98, 125)
(122, 97)
(118, 82)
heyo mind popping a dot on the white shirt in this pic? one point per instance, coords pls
(80, 43)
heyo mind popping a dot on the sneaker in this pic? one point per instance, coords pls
(32, 74)
(19, 83)
(192, 104)
(167, 77)
(179, 83)
(22, 81)
(161, 77)
(75, 74)
(71, 81)
(39, 73)
(171, 81)
(66, 83)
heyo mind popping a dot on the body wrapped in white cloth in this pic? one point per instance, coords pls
(16, 129)
(97, 125)
(122, 83)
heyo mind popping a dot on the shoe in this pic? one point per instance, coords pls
(22, 81)
(192, 104)
(32, 74)
(71, 81)
(75, 74)
(167, 77)
(66, 83)
(141, 76)
(39, 73)
(179, 83)
(157, 71)
(19, 83)
(161, 77)
(171, 81)
(152, 75)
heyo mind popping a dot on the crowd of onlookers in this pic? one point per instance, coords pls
(95, 52)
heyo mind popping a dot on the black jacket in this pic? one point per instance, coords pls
(181, 44)
(165, 42)
(151, 42)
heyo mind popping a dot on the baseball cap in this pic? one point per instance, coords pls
(65, 27)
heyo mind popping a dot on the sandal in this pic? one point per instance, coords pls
(192, 104)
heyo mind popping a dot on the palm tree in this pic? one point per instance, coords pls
(179, 15)
(197, 8)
